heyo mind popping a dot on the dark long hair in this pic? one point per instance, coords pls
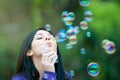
(25, 65)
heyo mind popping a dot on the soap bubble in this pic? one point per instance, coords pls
(70, 32)
(93, 69)
(84, 2)
(88, 34)
(109, 46)
(48, 27)
(88, 16)
(64, 13)
(76, 29)
(82, 50)
(71, 35)
(68, 21)
(72, 72)
(83, 25)
(68, 18)
(72, 15)
(73, 39)
(69, 46)
(61, 36)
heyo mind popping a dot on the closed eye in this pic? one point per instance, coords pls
(39, 38)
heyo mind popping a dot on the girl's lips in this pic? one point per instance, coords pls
(49, 44)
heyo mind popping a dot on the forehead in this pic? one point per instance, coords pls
(42, 32)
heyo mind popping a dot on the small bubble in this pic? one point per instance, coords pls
(88, 34)
(48, 27)
(72, 72)
(69, 46)
(83, 25)
(88, 16)
(82, 50)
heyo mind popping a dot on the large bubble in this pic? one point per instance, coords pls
(93, 69)
(84, 2)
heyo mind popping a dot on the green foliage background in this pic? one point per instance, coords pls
(19, 17)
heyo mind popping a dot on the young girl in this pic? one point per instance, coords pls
(39, 58)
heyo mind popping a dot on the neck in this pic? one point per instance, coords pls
(39, 66)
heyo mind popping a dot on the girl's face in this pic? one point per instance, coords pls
(43, 42)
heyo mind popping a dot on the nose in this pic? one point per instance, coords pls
(47, 38)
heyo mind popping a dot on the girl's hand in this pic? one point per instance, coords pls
(48, 60)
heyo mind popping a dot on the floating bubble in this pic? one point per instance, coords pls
(88, 34)
(68, 21)
(61, 36)
(83, 25)
(68, 18)
(72, 15)
(69, 46)
(93, 69)
(71, 35)
(88, 16)
(84, 2)
(48, 27)
(72, 72)
(82, 50)
(70, 32)
(76, 29)
(64, 13)
(73, 39)
(109, 46)
(104, 42)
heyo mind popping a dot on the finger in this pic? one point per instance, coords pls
(51, 53)
(54, 58)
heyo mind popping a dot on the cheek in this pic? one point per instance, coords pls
(36, 47)
(55, 47)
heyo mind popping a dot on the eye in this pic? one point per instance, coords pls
(39, 38)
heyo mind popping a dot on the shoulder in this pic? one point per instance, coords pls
(19, 77)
